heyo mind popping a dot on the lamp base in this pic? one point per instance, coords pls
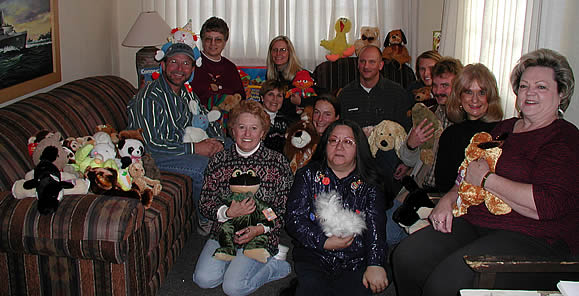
(146, 65)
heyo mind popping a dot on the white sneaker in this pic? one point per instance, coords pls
(282, 253)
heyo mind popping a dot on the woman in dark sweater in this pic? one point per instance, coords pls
(536, 175)
(474, 106)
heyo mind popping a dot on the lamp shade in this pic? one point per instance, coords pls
(148, 30)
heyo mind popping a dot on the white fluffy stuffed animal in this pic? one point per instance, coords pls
(335, 219)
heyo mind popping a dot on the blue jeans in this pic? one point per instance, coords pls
(241, 276)
(394, 233)
(192, 165)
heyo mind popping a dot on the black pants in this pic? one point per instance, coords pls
(429, 262)
(313, 280)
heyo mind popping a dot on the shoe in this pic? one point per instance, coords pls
(204, 227)
(282, 253)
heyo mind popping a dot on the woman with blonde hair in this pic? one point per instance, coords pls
(474, 106)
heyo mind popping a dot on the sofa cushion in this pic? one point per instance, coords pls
(85, 226)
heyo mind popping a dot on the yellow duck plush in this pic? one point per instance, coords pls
(339, 47)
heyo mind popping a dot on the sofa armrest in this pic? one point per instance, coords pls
(84, 226)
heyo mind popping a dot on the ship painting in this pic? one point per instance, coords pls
(10, 38)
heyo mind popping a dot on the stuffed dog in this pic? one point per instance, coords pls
(385, 136)
(394, 48)
(368, 36)
(419, 113)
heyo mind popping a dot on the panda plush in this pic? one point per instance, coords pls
(130, 150)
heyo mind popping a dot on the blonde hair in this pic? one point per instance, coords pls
(486, 81)
(293, 64)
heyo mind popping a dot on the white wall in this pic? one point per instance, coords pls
(430, 19)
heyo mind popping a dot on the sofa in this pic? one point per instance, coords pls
(92, 245)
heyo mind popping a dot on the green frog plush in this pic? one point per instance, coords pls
(244, 185)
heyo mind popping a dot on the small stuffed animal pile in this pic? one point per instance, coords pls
(419, 113)
(335, 219)
(244, 185)
(394, 48)
(470, 194)
(339, 47)
(385, 136)
(368, 36)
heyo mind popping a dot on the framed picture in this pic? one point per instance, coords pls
(435, 40)
(29, 46)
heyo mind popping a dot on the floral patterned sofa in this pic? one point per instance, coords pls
(93, 245)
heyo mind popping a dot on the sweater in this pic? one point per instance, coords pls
(548, 159)
(309, 238)
(223, 75)
(276, 180)
(451, 146)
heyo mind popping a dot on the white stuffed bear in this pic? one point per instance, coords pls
(197, 132)
(335, 219)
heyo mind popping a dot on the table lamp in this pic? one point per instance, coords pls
(148, 31)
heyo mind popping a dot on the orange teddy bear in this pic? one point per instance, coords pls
(469, 194)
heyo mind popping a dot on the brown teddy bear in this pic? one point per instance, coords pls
(385, 136)
(224, 104)
(394, 48)
(419, 113)
(147, 187)
(368, 36)
(470, 194)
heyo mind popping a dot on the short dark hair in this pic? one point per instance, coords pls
(366, 166)
(330, 98)
(272, 84)
(215, 24)
(447, 65)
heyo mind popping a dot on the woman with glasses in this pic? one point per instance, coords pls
(282, 65)
(216, 75)
(535, 175)
(334, 265)
(474, 106)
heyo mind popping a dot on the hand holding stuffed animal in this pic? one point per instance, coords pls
(419, 113)
(481, 146)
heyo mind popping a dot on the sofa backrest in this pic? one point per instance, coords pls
(332, 76)
(73, 109)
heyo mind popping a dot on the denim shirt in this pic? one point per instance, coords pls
(309, 238)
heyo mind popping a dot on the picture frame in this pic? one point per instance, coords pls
(36, 64)
(436, 40)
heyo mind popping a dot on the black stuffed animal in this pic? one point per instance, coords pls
(407, 213)
(47, 182)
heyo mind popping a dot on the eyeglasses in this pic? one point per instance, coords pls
(279, 50)
(216, 39)
(347, 142)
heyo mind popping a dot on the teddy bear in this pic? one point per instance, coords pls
(335, 219)
(244, 184)
(110, 130)
(303, 82)
(197, 131)
(471, 194)
(339, 47)
(301, 142)
(146, 187)
(368, 36)
(385, 136)
(419, 113)
(412, 215)
(394, 48)
(224, 104)
(49, 158)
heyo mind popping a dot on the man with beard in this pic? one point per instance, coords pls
(443, 73)
(163, 109)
